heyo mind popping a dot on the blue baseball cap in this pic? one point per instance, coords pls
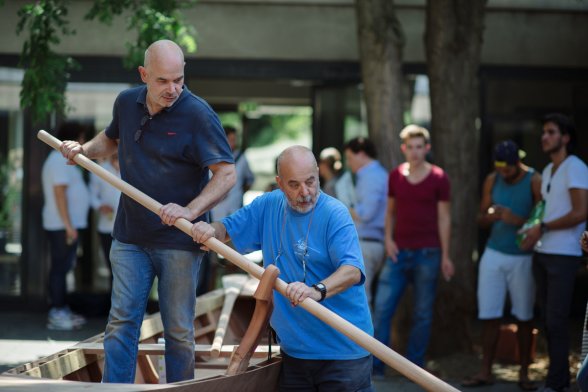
(507, 153)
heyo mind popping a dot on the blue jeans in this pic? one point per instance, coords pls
(421, 268)
(134, 269)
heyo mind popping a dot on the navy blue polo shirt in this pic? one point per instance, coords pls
(169, 162)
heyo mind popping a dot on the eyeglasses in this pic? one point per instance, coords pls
(139, 132)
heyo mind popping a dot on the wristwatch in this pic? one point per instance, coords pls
(543, 227)
(321, 288)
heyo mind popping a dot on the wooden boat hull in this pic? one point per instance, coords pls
(261, 377)
(80, 367)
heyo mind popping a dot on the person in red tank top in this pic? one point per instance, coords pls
(417, 232)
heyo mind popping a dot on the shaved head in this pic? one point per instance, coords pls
(296, 156)
(163, 73)
(163, 50)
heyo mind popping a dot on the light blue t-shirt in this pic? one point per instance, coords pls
(268, 223)
(371, 190)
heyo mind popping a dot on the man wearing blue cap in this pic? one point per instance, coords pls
(509, 194)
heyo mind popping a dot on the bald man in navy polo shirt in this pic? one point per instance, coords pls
(167, 139)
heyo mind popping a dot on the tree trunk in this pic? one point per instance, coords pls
(380, 47)
(453, 41)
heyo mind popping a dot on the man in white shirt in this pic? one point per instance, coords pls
(65, 213)
(557, 251)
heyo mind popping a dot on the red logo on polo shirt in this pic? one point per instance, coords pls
(171, 133)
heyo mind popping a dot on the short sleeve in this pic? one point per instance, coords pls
(211, 141)
(343, 242)
(578, 175)
(112, 131)
(244, 226)
(59, 170)
(392, 183)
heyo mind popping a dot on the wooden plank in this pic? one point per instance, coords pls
(159, 349)
(210, 301)
(63, 364)
(232, 285)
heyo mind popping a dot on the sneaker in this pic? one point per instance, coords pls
(61, 319)
(76, 317)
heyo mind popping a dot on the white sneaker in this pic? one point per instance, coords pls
(76, 317)
(61, 319)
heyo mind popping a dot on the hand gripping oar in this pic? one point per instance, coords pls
(380, 350)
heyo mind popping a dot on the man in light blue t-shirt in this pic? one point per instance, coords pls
(311, 238)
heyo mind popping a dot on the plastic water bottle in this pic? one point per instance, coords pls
(534, 219)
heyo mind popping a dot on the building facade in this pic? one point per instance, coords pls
(285, 53)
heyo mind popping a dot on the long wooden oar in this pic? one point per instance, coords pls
(380, 350)
(232, 284)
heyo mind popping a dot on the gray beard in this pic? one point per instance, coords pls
(300, 210)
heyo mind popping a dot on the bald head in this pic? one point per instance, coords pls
(163, 51)
(298, 178)
(296, 156)
(163, 73)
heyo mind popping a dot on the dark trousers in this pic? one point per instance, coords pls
(106, 244)
(306, 375)
(63, 256)
(554, 277)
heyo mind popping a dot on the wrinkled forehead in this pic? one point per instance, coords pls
(298, 167)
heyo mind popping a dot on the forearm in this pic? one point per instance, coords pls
(220, 232)
(100, 146)
(484, 220)
(444, 227)
(577, 214)
(221, 182)
(388, 227)
(343, 278)
(513, 220)
(571, 219)
(61, 203)
(389, 221)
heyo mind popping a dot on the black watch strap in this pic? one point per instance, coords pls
(543, 227)
(321, 288)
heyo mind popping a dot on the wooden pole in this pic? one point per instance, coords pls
(380, 350)
(232, 284)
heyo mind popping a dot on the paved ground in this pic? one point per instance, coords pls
(24, 337)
